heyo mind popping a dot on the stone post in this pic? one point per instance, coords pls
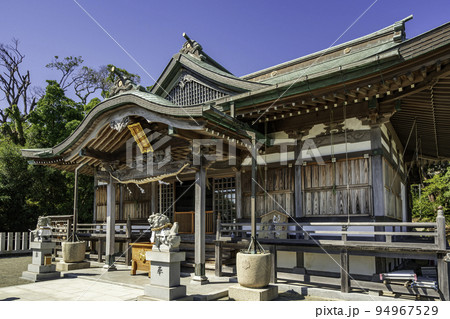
(441, 236)
(17, 241)
(2, 242)
(9, 245)
(25, 241)
(443, 266)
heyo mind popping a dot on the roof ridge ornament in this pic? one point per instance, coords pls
(192, 47)
(123, 83)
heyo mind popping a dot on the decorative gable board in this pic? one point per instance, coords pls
(190, 90)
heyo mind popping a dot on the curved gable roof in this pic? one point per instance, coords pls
(132, 102)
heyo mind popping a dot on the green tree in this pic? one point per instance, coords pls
(15, 184)
(435, 193)
(54, 117)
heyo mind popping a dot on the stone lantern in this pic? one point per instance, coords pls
(41, 267)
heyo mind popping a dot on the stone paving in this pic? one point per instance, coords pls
(97, 284)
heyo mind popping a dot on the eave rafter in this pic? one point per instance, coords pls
(385, 88)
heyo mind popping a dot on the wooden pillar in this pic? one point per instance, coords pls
(99, 250)
(298, 194)
(94, 215)
(121, 217)
(75, 203)
(154, 198)
(218, 259)
(68, 228)
(110, 225)
(345, 280)
(253, 194)
(128, 242)
(273, 272)
(200, 224)
(377, 171)
(238, 194)
(300, 263)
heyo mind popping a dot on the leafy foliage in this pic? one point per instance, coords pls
(54, 118)
(435, 193)
(15, 215)
(33, 118)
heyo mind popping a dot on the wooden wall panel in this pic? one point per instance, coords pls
(136, 202)
(325, 188)
(274, 191)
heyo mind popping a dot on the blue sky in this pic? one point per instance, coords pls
(244, 36)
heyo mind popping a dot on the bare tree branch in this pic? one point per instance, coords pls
(15, 90)
(67, 67)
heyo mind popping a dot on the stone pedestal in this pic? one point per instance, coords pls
(41, 267)
(240, 293)
(165, 275)
(63, 266)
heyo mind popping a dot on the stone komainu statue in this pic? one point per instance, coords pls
(164, 234)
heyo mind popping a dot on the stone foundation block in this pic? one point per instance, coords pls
(41, 268)
(62, 266)
(164, 293)
(32, 276)
(240, 293)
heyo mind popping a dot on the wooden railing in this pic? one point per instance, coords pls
(187, 224)
(375, 234)
(426, 241)
(126, 230)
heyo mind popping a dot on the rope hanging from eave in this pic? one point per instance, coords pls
(150, 179)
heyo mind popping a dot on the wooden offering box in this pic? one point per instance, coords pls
(138, 260)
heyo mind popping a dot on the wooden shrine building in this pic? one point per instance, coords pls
(336, 131)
